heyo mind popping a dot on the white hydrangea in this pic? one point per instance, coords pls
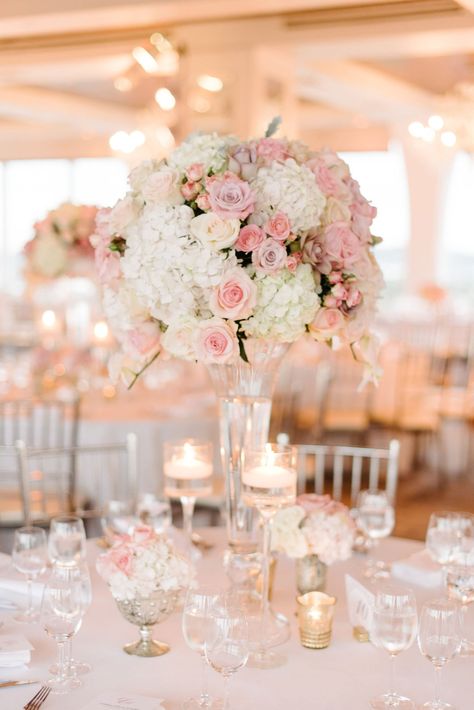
(172, 274)
(286, 303)
(289, 188)
(287, 536)
(123, 307)
(209, 149)
(140, 174)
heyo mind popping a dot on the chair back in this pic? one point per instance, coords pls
(101, 472)
(40, 423)
(367, 468)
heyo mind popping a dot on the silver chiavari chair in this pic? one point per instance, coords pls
(102, 473)
(324, 468)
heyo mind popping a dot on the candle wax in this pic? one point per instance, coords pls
(269, 477)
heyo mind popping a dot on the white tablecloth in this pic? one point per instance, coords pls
(342, 677)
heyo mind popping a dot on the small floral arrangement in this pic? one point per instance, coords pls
(142, 563)
(61, 244)
(317, 525)
(227, 240)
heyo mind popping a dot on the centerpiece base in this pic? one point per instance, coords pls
(146, 649)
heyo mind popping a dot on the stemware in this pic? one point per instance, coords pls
(460, 586)
(439, 641)
(30, 557)
(194, 622)
(188, 473)
(117, 519)
(376, 519)
(155, 512)
(67, 540)
(394, 630)
(227, 644)
(61, 615)
(443, 536)
(269, 483)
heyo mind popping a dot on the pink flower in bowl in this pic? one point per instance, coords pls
(278, 227)
(230, 197)
(235, 297)
(250, 238)
(342, 245)
(269, 257)
(215, 341)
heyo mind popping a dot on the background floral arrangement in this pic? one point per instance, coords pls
(317, 525)
(141, 563)
(226, 240)
(61, 244)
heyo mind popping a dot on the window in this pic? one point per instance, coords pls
(382, 179)
(456, 259)
(30, 188)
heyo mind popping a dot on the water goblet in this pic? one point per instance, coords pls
(460, 586)
(194, 623)
(155, 512)
(394, 630)
(61, 615)
(376, 519)
(30, 557)
(67, 540)
(117, 519)
(188, 473)
(442, 536)
(227, 645)
(439, 641)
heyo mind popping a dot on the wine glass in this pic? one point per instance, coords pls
(117, 519)
(75, 668)
(30, 557)
(61, 615)
(394, 629)
(460, 585)
(376, 519)
(67, 540)
(439, 641)
(155, 512)
(269, 483)
(194, 623)
(227, 644)
(443, 536)
(188, 473)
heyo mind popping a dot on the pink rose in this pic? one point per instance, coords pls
(278, 227)
(242, 160)
(194, 172)
(327, 181)
(203, 202)
(250, 237)
(189, 190)
(143, 341)
(230, 197)
(215, 342)
(310, 502)
(270, 149)
(269, 257)
(342, 245)
(353, 297)
(327, 323)
(363, 214)
(314, 253)
(122, 557)
(142, 534)
(293, 261)
(107, 264)
(235, 297)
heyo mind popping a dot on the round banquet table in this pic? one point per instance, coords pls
(342, 677)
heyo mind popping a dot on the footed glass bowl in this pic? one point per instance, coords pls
(145, 612)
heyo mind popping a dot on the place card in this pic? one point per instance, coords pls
(124, 701)
(15, 650)
(360, 603)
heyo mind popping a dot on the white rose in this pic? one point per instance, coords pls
(49, 256)
(122, 214)
(163, 187)
(141, 173)
(335, 211)
(178, 340)
(216, 232)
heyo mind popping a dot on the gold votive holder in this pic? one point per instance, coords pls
(315, 614)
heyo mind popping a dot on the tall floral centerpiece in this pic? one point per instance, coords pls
(226, 252)
(61, 243)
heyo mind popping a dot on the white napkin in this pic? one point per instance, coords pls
(419, 569)
(11, 589)
(15, 650)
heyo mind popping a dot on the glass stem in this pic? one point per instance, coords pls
(29, 585)
(188, 509)
(68, 655)
(437, 684)
(61, 660)
(204, 699)
(226, 705)
(265, 573)
(392, 674)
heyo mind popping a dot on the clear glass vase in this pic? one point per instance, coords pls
(145, 612)
(244, 390)
(310, 574)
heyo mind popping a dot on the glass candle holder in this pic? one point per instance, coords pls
(315, 614)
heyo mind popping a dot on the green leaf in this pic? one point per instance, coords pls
(376, 240)
(242, 352)
(273, 126)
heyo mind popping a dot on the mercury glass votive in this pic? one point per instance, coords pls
(315, 614)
